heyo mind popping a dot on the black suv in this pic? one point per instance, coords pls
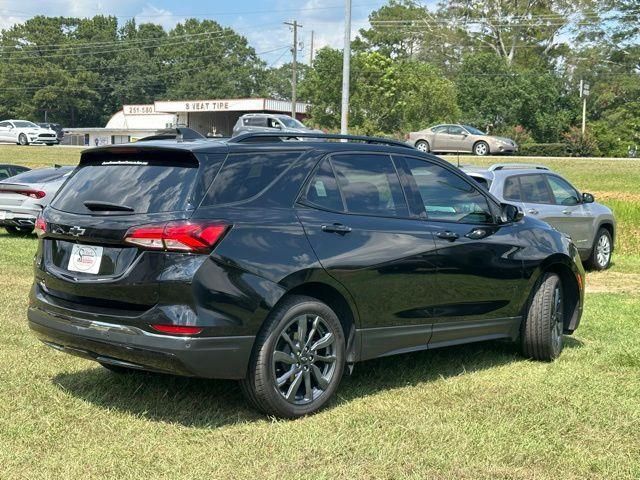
(279, 262)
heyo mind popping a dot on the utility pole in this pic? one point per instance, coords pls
(584, 93)
(311, 51)
(346, 69)
(294, 77)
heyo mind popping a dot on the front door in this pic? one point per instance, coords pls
(568, 214)
(477, 263)
(356, 217)
(457, 139)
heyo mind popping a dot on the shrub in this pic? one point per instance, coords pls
(518, 134)
(544, 149)
(579, 145)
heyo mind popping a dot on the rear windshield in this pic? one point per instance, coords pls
(42, 175)
(147, 186)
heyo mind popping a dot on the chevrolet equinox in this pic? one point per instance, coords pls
(278, 262)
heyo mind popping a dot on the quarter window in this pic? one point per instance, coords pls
(563, 193)
(446, 196)
(370, 185)
(245, 175)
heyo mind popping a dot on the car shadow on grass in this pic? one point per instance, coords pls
(214, 403)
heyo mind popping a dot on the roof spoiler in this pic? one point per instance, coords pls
(267, 136)
(179, 134)
(516, 166)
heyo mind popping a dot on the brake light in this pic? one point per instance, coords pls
(180, 236)
(40, 226)
(177, 329)
(29, 193)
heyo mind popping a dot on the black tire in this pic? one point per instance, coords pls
(309, 381)
(423, 146)
(118, 369)
(542, 329)
(23, 140)
(18, 230)
(481, 149)
(600, 258)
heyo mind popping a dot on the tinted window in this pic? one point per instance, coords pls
(533, 189)
(245, 175)
(512, 189)
(4, 173)
(23, 124)
(474, 131)
(455, 130)
(146, 186)
(323, 189)
(446, 196)
(563, 193)
(4, 124)
(370, 185)
(42, 175)
(440, 128)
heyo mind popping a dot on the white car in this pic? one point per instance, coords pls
(24, 132)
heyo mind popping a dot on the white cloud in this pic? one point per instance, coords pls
(160, 16)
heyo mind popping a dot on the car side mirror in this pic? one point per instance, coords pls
(588, 198)
(511, 213)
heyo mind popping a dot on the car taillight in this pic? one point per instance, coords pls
(180, 236)
(177, 329)
(29, 193)
(40, 226)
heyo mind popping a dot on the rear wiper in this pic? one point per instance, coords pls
(96, 206)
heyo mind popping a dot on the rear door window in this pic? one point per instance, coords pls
(323, 189)
(533, 189)
(370, 185)
(147, 186)
(245, 175)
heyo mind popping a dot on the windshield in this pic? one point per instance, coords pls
(291, 122)
(22, 124)
(474, 131)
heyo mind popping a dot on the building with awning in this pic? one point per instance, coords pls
(209, 117)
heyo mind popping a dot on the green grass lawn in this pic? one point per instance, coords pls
(479, 411)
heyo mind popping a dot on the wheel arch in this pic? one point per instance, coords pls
(571, 285)
(608, 225)
(339, 302)
(473, 148)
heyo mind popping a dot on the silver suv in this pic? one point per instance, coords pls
(267, 122)
(548, 196)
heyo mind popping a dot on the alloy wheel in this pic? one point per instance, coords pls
(481, 149)
(422, 147)
(603, 250)
(304, 359)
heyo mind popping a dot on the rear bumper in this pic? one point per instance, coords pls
(24, 218)
(124, 345)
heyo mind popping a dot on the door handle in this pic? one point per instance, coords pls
(448, 235)
(567, 212)
(336, 228)
(533, 211)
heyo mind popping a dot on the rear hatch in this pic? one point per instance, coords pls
(113, 190)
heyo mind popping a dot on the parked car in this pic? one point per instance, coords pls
(266, 122)
(460, 139)
(23, 196)
(24, 132)
(8, 170)
(547, 195)
(278, 263)
(56, 127)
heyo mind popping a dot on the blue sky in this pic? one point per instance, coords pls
(259, 21)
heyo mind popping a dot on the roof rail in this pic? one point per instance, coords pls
(179, 133)
(329, 136)
(515, 166)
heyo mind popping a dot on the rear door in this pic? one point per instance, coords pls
(440, 138)
(477, 272)
(149, 186)
(359, 225)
